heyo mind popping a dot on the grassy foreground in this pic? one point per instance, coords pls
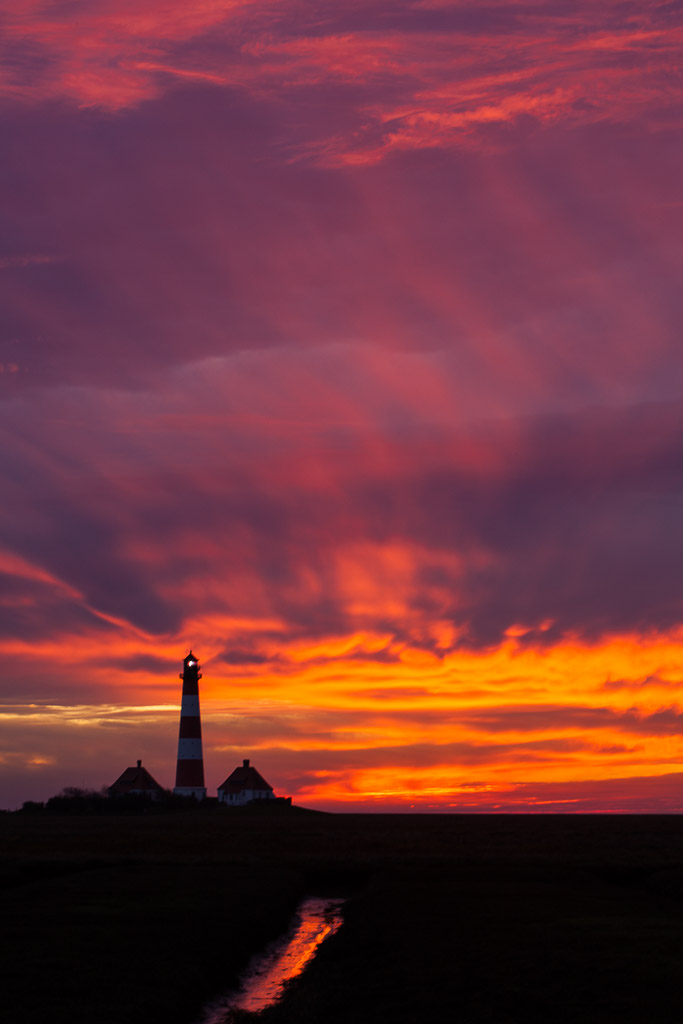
(466, 918)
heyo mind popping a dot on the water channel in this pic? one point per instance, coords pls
(262, 982)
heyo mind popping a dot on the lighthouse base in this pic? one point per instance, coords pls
(198, 792)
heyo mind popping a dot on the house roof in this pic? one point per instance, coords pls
(135, 780)
(244, 777)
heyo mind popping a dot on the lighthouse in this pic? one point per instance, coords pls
(189, 780)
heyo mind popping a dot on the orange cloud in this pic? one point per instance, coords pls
(333, 726)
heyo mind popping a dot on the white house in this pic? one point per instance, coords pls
(244, 785)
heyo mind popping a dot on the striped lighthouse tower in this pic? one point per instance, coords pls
(189, 779)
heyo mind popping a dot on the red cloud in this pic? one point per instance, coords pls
(420, 82)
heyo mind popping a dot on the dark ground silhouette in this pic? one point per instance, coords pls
(463, 918)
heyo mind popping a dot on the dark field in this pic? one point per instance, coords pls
(451, 918)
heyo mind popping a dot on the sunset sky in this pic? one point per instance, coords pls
(342, 343)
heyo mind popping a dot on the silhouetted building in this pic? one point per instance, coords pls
(136, 782)
(189, 780)
(244, 785)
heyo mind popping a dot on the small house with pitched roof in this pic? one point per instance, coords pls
(244, 785)
(136, 782)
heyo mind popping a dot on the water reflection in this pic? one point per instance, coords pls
(261, 984)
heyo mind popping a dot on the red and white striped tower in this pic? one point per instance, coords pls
(189, 779)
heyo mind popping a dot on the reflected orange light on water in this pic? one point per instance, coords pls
(262, 982)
